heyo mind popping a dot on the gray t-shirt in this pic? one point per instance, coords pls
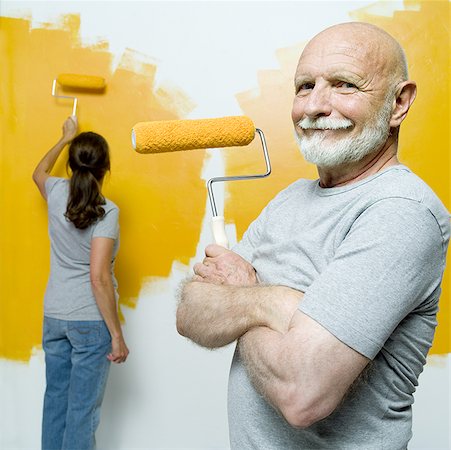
(69, 294)
(370, 258)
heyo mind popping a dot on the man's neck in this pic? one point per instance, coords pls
(351, 173)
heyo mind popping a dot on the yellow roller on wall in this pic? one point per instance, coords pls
(76, 82)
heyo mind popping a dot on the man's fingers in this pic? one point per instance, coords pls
(207, 273)
(203, 270)
(199, 268)
(213, 250)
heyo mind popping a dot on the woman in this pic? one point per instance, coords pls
(82, 333)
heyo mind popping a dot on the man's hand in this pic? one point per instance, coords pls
(224, 300)
(222, 266)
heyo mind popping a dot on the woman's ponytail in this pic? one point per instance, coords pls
(89, 161)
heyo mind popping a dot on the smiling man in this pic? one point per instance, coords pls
(333, 291)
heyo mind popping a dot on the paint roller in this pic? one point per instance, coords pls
(177, 135)
(75, 82)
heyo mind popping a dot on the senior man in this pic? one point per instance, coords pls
(333, 290)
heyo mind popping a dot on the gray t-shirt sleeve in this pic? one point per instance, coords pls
(391, 258)
(108, 226)
(51, 182)
(246, 247)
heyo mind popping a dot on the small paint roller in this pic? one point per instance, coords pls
(75, 82)
(178, 135)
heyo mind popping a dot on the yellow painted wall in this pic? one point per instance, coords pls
(162, 199)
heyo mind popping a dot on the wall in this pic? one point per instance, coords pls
(168, 60)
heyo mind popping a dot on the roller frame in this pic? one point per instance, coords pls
(239, 177)
(74, 107)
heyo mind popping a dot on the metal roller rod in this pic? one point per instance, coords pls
(239, 177)
(74, 108)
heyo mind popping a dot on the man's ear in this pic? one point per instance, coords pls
(405, 95)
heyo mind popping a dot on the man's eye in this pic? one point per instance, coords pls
(305, 87)
(346, 85)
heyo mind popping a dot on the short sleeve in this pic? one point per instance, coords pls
(390, 261)
(246, 247)
(51, 182)
(108, 225)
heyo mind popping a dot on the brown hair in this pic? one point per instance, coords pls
(89, 161)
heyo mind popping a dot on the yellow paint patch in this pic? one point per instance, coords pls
(162, 198)
(424, 32)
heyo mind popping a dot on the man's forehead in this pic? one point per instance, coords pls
(336, 56)
(333, 62)
(335, 49)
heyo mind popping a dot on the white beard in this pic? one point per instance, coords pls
(318, 151)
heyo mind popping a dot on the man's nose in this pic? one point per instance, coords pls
(318, 102)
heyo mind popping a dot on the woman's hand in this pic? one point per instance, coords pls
(70, 128)
(119, 350)
(44, 167)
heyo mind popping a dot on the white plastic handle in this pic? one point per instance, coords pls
(74, 108)
(218, 227)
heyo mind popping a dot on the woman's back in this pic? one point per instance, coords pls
(69, 294)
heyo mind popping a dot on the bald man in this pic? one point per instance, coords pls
(333, 291)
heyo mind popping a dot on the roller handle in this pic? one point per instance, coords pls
(74, 107)
(219, 234)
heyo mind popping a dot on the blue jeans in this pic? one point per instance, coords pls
(76, 373)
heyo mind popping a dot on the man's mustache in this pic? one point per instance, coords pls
(324, 123)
